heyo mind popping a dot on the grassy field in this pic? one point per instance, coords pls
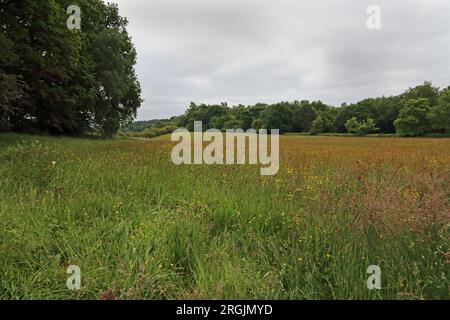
(140, 227)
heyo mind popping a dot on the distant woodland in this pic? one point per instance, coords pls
(418, 111)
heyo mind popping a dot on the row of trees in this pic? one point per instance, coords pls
(418, 111)
(63, 81)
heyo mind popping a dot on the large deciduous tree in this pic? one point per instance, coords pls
(278, 116)
(413, 120)
(440, 114)
(66, 81)
(361, 128)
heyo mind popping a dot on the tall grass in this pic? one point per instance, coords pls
(140, 227)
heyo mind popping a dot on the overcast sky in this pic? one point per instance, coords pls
(249, 51)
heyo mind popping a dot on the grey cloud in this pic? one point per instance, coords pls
(266, 51)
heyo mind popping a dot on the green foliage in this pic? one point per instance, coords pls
(425, 91)
(319, 125)
(413, 119)
(439, 115)
(156, 132)
(361, 128)
(13, 98)
(367, 127)
(246, 115)
(73, 81)
(324, 121)
(257, 124)
(364, 117)
(232, 124)
(352, 125)
(304, 115)
(204, 113)
(384, 111)
(149, 129)
(278, 116)
(139, 126)
(13, 91)
(225, 122)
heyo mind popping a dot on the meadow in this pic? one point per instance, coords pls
(140, 227)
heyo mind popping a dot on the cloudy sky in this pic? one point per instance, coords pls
(249, 51)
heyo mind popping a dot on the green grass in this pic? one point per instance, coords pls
(140, 227)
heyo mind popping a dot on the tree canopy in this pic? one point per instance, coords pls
(417, 111)
(63, 81)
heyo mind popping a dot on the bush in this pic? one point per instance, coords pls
(360, 128)
(156, 132)
(413, 119)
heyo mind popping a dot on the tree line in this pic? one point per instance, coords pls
(60, 81)
(418, 111)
